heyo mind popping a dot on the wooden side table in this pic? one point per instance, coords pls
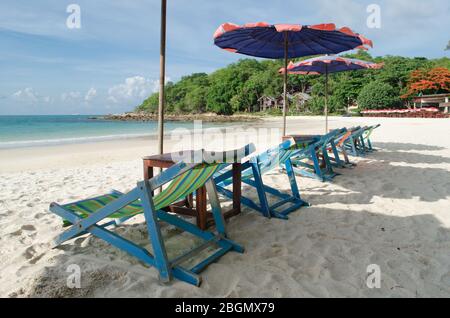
(187, 207)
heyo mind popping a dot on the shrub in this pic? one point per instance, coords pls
(378, 95)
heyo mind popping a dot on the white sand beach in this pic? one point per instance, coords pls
(392, 210)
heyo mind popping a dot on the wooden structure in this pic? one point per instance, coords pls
(296, 100)
(440, 101)
(267, 102)
(187, 206)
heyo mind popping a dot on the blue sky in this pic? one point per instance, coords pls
(111, 64)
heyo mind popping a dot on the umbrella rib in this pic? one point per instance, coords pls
(246, 38)
(264, 43)
(273, 37)
(322, 45)
(343, 42)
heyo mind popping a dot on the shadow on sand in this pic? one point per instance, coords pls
(390, 174)
(316, 248)
(395, 146)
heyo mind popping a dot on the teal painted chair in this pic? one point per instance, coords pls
(252, 175)
(100, 215)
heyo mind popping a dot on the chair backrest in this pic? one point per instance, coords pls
(184, 179)
(358, 131)
(186, 183)
(232, 156)
(344, 137)
(326, 139)
(370, 130)
(271, 158)
(340, 133)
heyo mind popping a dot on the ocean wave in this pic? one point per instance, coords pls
(62, 141)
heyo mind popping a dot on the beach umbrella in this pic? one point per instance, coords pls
(325, 65)
(287, 41)
(162, 77)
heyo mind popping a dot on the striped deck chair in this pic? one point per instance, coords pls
(359, 143)
(352, 144)
(314, 162)
(332, 148)
(252, 175)
(366, 143)
(337, 147)
(95, 216)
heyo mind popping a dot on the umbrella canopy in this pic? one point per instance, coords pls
(327, 65)
(287, 41)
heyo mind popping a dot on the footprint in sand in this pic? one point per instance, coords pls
(32, 255)
(39, 216)
(29, 253)
(16, 233)
(29, 228)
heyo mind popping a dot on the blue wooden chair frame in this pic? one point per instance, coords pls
(167, 269)
(336, 149)
(359, 143)
(252, 175)
(366, 143)
(323, 172)
(333, 151)
(352, 144)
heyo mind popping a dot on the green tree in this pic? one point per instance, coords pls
(378, 95)
(237, 87)
(396, 70)
(228, 82)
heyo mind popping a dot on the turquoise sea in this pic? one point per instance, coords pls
(26, 131)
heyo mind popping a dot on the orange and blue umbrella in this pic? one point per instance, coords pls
(325, 65)
(287, 41)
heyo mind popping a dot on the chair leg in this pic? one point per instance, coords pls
(347, 159)
(316, 163)
(260, 189)
(216, 209)
(294, 187)
(154, 231)
(292, 180)
(369, 143)
(353, 147)
(339, 162)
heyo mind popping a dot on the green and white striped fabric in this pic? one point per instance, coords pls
(178, 189)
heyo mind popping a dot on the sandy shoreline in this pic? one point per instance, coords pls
(391, 210)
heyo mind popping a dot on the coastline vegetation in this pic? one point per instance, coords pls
(237, 88)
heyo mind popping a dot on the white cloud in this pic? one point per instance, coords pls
(78, 97)
(28, 95)
(71, 96)
(90, 95)
(134, 89)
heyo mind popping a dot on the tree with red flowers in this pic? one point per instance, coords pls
(434, 81)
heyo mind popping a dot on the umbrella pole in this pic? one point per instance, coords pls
(326, 99)
(285, 81)
(162, 78)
